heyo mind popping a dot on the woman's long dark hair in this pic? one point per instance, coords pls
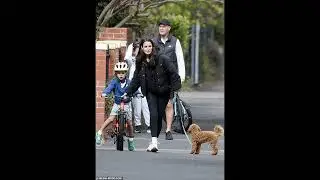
(142, 57)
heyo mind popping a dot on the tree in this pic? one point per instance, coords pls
(183, 15)
(144, 15)
(109, 11)
(209, 13)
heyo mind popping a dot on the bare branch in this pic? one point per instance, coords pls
(107, 17)
(123, 7)
(132, 24)
(105, 10)
(137, 10)
(125, 2)
(143, 14)
(145, 1)
(157, 4)
(126, 19)
(217, 1)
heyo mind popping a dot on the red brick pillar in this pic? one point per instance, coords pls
(111, 37)
(100, 85)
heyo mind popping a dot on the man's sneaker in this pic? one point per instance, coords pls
(137, 129)
(169, 136)
(131, 145)
(99, 139)
(148, 130)
(152, 147)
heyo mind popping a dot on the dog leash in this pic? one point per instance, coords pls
(185, 133)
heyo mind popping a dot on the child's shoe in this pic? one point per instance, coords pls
(99, 138)
(131, 145)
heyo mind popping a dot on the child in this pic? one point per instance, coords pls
(118, 86)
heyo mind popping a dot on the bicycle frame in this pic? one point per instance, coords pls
(121, 111)
(120, 125)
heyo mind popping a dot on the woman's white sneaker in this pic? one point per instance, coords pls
(153, 147)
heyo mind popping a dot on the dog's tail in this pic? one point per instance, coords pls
(218, 130)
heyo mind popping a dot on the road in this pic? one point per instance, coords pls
(172, 161)
(205, 106)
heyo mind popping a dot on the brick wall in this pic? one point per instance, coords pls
(109, 36)
(100, 84)
(116, 34)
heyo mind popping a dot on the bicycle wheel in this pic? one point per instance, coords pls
(188, 116)
(121, 132)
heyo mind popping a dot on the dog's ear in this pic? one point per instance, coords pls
(219, 129)
(192, 127)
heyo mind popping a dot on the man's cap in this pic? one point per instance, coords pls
(164, 22)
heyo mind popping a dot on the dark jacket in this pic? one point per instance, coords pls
(169, 48)
(161, 80)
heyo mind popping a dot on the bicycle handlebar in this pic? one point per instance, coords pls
(126, 98)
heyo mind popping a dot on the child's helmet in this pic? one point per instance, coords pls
(121, 66)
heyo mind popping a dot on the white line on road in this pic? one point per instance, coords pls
(186, 140)
(180, 151)
(209, 107)
(149, 139)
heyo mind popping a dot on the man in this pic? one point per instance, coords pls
(170, 45)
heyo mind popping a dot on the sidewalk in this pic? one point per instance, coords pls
(207, 86)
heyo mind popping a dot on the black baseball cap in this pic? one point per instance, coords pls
(164, 22)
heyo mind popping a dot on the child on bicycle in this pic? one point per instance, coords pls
(118, 86)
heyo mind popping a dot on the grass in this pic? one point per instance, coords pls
(186, 85)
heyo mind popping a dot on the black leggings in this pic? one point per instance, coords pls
(157, 105)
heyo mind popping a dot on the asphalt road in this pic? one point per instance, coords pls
(207, 108)
(172, 161)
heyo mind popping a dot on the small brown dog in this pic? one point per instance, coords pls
(199, 137)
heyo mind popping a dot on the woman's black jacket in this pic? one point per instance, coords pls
(163, 79)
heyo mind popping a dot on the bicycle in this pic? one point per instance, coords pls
(182, 115)
(120, 124)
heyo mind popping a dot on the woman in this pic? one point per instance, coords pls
(139, 101)
(159, 79)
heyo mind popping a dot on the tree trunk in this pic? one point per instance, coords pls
(107, 18)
